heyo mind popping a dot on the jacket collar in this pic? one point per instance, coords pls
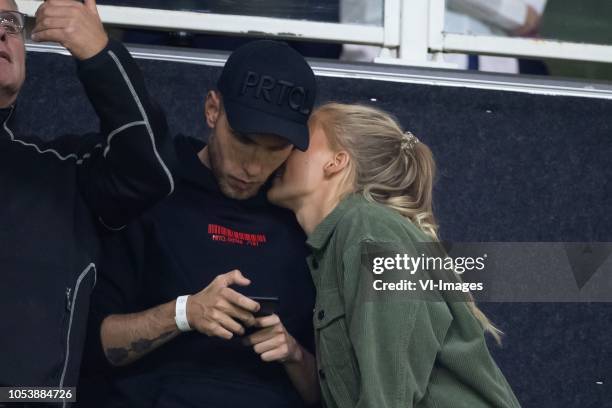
(318, 239)
(6, 118)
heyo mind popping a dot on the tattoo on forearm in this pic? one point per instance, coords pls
(119, 355)
(116, 355)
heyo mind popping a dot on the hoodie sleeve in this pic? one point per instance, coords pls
(129, 170)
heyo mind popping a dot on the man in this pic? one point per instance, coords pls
(196, 351)
(55, 193)
(518, 18)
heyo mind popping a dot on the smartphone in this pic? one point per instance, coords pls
(269, 305)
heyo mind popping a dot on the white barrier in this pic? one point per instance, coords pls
(412, 32)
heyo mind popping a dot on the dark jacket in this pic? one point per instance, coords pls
(53, 197)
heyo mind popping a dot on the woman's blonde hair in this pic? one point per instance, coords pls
(388, 166)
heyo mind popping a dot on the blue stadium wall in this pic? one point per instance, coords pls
(512, 167)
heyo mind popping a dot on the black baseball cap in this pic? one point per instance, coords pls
(268, 88)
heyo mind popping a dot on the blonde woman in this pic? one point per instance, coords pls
(365, 181)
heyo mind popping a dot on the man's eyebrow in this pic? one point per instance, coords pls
(252, 137)
(282, 145)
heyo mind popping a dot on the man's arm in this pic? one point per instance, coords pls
(513, 16)
(130, 169)
(128, 337)
(217, 310)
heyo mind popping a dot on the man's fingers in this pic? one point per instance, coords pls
(239, 313)
(229, 324)
(234, 277)
(61, 6)
(57, 8)
(84, 34)
(240, 300)
(50, 23)
(69, 3)
(220, 331)
(91, 5)
(49, 35)
(46, 11)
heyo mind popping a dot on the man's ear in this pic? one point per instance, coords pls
(338, 162)
(212, 108)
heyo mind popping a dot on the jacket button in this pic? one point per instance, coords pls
(321, 314)
(321, 374)
(315, 263)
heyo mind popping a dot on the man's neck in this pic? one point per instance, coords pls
(6, 100)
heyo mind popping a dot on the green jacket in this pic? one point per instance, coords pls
(377, 352)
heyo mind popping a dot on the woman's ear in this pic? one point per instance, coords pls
(212, 108)
(338, 162)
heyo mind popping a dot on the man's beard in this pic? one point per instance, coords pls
(221, 178)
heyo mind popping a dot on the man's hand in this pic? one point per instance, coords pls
(531, 25)
(216, 310)
(75, 25)
(273, 342)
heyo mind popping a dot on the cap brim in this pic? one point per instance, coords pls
(248, 120)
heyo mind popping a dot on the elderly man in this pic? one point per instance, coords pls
(54, 194)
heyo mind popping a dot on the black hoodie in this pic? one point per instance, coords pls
(53, 198)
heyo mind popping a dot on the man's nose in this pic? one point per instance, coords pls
(253, 167)
(3, 33)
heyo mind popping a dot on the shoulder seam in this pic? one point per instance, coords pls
(144, 117)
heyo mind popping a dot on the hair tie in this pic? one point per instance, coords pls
(408, 141)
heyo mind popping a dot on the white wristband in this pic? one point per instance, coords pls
(180, 314)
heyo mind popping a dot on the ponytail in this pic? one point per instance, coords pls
(389, 167)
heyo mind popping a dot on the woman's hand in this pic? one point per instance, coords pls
(273, 342)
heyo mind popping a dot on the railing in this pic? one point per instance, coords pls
(411, 33)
